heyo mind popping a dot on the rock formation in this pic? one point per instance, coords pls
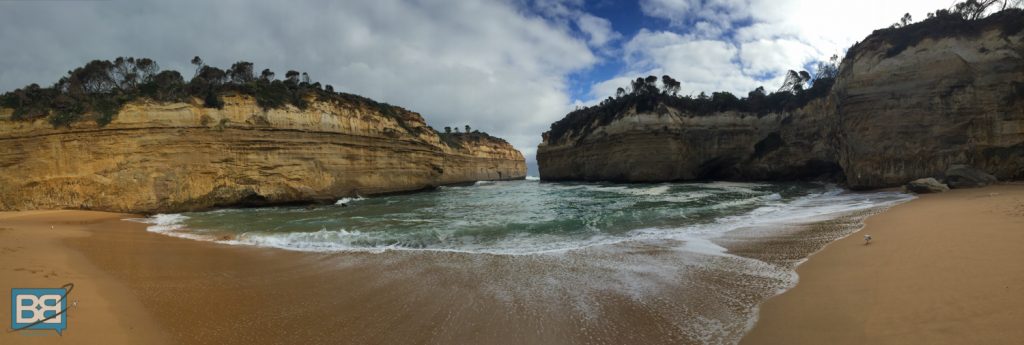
(962, 176)
(926, 185)
(908, 103)
(182, 156)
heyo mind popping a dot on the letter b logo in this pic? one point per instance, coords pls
(31, 308)
(44, 306)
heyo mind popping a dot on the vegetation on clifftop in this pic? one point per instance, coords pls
(99, 89)
(456, 139)
(644, 95)
(965, 19)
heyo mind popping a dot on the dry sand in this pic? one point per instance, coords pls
(946, 268)
(32, 255)
(943, 269)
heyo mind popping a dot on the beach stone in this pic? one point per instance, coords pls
(926, 185)
(965, 176)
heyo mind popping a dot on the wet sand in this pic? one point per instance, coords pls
(943, 269)
(922, 279)
(158, 288)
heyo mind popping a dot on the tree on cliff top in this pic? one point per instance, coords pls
(670, 85)
(827, 70)
(974, 9)
(795, 81)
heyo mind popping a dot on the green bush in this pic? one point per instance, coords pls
(213, 100)
(63, 119)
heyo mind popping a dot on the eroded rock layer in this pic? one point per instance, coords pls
(176, 157)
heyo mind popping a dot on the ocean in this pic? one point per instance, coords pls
(693, 260)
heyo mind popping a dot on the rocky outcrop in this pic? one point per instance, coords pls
(926, 185)
(182, 156)
(963, 176)
(900, 109)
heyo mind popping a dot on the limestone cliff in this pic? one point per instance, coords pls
(950, 100)
(898, 111)
(181, 156)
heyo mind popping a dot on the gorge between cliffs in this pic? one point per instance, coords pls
(236, 206)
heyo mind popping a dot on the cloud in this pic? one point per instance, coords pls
(706, 17)
(737, 45)
(704, 64)
(488, 64)
(768, 56)
(598, 29)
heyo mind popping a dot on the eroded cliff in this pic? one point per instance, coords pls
(900, 109)
(158, 157)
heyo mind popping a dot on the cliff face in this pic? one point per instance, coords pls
(650, 147)
(957, 100)
(889, 118)
(176, 157)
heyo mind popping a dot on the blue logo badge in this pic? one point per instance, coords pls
(39, 309)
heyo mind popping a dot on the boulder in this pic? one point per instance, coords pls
(964, 176)
(926, 185)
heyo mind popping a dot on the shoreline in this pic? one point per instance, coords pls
(939, 270)
(136, 286)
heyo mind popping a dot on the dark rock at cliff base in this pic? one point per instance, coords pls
(964, 176)
(926, 185)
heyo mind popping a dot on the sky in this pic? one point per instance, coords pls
(506, 67)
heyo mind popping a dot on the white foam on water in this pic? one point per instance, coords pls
(532, 178)
(345, 201)
(642, 264)
(768, 209)
(636, 190)
(696, 238)
(171, 224)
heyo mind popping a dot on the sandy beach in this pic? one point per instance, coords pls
(943, 268)
(34, 255)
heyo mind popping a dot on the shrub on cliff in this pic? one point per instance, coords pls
(166, 86)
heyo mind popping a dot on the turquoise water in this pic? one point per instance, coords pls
(692, 260)
(519, 217)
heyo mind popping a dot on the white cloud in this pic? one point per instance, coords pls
(707, 16)
(599, 30)
(768, 56)
(830, 26)
(700, 64)
(737, 45)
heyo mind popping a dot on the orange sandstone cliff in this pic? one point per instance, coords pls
(181, 156)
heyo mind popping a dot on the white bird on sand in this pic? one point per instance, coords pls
(867, 239)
